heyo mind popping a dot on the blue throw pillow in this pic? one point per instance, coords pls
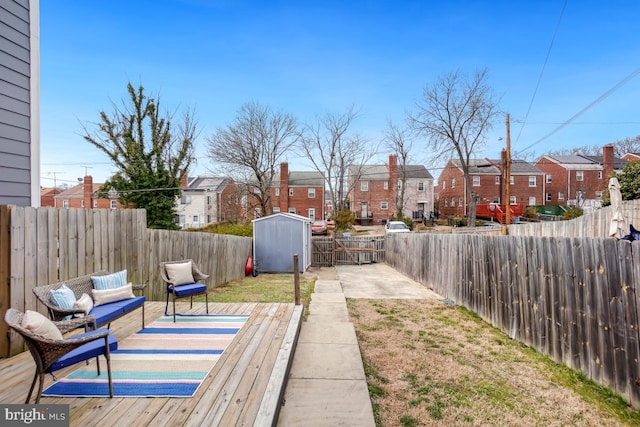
(63, 297)
(110, 281)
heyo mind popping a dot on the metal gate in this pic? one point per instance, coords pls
(353, 250)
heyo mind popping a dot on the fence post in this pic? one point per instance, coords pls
(5, 274)
(296, 279)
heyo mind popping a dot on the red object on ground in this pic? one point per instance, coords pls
(248, 268)
(497, 211)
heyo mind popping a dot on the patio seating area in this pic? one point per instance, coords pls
(244, 387)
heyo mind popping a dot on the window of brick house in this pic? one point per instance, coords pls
(292, 210)
(512, 180)
(579, 175)
(453, 183)
(532, 181)
(65, 203)
(385, 185)
(95, 203)
(599, 174)
(476, 181)
(444, 185)
(548, 178)
(276, 209)
(599, 195)
(114, 204)
(460, 201)
(560, 195)
(291, 192)
(548, 197)
(277, 191)
(311, 193)
(453, 202)
(421, 186)
(364, 186)
(82, 203)
(513, 200)
(384, 205)
(446, 202)
(497, 180)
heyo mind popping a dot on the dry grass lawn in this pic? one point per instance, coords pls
(429, 363)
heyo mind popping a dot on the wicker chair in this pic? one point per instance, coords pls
(184, 290)
(52, 355)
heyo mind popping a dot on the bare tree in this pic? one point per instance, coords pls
(400, 142)
(331, 150)
(252, 147)
(627, 145)
(455, 114)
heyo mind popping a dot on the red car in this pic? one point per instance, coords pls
(319, 228)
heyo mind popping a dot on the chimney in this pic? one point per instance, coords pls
(393, 170)
(183, 180)
(87, 192)
(284, 187)
(607, 161)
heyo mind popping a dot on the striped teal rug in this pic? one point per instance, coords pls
(165, 359)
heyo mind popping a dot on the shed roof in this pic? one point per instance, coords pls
(283, 214)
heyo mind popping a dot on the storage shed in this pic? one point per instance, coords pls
(277, 238)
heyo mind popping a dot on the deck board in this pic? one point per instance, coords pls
(232, 393)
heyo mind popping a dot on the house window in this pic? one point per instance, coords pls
(579, 194)
(95, 203)
(364, 186)
(476, 181)
(292, 210)
(82, 203)
(421, 186)
(181, 219)
(196, 220)
(512, 200)
(599, 195)
(453, 202)
(548, 178)
(548, 197)
(65, 203)
(208, 219)
(561, 196)
(185, 200)
(384, 205)
(599, 174)
(276, 209)
(114, 204)
(399, 185)
(446, 202)
(385, 185)
(579, 175)
(497, 180)
(496, 199)
(453, 183)
(511, 180)
(312, 214)
(460, 201)
(277, 191)
(532, 181)
(532, 201)
(444, 185)
(311, 193)
(291, 192)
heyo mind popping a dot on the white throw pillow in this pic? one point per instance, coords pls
(84, 303)
(179, 273)
(111, 295)
(40, 325)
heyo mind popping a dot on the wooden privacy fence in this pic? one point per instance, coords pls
(592, 224)
(573, 299)
(353, 250)
(39, 246)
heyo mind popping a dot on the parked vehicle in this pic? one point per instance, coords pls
(396, 227)
(319, 228)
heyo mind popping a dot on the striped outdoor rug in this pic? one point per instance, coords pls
(164, 359)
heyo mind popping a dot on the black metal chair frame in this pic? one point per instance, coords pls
(171, 288)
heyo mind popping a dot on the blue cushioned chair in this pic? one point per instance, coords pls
(181, 290)
(52, 355)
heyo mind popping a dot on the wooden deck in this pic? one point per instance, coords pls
(245, 387)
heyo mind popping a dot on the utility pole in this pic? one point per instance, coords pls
(507, 183)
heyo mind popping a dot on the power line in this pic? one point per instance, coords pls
(544, 66)
(585, 109)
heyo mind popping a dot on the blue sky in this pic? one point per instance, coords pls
(313, 57)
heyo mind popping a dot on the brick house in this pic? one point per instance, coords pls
(300, 193)
(374, 189)
(487, 182)
(84, 195)
(631, 157)
(205, 200)
(47, 196)
(578, 180)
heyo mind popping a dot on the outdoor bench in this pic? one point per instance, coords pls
(104, 312)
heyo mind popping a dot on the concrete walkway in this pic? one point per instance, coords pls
(327, 385)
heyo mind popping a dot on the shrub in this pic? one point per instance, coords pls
(343, 219)
(572, 212)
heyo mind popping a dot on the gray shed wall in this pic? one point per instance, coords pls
(276, 239)
(15, 103)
